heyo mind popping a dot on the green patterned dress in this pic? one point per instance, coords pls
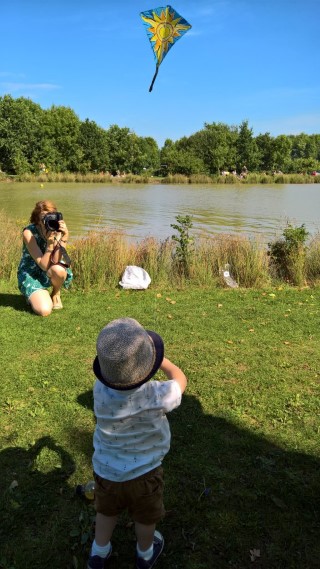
(30, 276)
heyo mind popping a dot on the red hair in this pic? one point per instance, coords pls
(40, 207)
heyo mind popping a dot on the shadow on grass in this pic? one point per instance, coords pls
(33, 490)
(16, 301)
(86, 399)
(236, 499)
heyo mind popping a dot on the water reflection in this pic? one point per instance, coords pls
(142, 210)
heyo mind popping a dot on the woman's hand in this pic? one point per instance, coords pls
(50, 237)
(63, 229)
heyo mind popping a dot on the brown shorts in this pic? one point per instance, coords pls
(142, 497)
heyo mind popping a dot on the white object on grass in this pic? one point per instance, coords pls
(135, 278)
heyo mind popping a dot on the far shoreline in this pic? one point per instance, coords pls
(102, 178)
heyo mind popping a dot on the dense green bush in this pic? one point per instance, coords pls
(288, 254)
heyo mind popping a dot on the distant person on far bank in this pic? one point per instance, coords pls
(44, 263)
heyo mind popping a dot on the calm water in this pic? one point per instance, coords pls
(142, 210)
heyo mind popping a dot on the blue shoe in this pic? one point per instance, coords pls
(158, 544)
(96, 562)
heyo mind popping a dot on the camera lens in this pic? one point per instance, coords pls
(51, 222)
(53, 225)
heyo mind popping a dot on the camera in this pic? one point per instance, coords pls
(51, 221)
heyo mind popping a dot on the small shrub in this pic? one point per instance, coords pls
(200, 179)
(135, 179)
(184, 244)
(231, 179)
(217, 179)
(288, 254)
(280, 179)
(265, 179)
(298, 179)
(25, 177)
(254, 178)
(175, 179)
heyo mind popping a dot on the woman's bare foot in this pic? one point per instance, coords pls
(56, 302)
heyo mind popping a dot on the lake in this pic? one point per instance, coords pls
(149, 209)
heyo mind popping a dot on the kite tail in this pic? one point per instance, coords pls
(154, 78)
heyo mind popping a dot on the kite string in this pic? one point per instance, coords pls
(154, 78)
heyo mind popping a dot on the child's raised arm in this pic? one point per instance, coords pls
(174, 372)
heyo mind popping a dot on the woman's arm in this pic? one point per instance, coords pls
(42, 259)
(174, 372)
(61, 237)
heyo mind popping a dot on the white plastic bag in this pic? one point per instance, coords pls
(228, 278)
(135, 277)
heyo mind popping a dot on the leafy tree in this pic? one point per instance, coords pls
(21, 134)
(288, 254)
(148, 155)
(30, 135)
(298, 146)
(266, 148)
(62, 129)
(168, 143)
(131, 153)
(304, 146)
(120, 149)
(215, 146)
(314, 140)
(312, 149)
(180, 161)
(282, 153)
(247, 149)
(305, 164)
(93, 142)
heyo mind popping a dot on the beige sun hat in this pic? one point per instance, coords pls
(127, 354)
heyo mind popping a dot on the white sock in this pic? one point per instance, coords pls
(146, 554)
(101, 550)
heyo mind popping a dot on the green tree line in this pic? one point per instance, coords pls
(56, 137)
(31, 136)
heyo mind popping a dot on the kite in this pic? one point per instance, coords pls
(164, 27)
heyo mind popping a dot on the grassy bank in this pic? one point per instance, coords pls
(99, 259)
(243, 474)
(102, 178)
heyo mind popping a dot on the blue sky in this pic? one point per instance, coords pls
(255, 60)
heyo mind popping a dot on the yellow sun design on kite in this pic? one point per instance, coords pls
(166, 30)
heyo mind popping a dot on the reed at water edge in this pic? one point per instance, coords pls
(99, 259)
(128, 178)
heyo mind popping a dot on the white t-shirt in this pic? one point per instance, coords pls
(132, 433)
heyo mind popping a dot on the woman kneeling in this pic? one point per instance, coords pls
(37, 271)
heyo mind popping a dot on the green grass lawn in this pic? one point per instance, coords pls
(243, 473)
